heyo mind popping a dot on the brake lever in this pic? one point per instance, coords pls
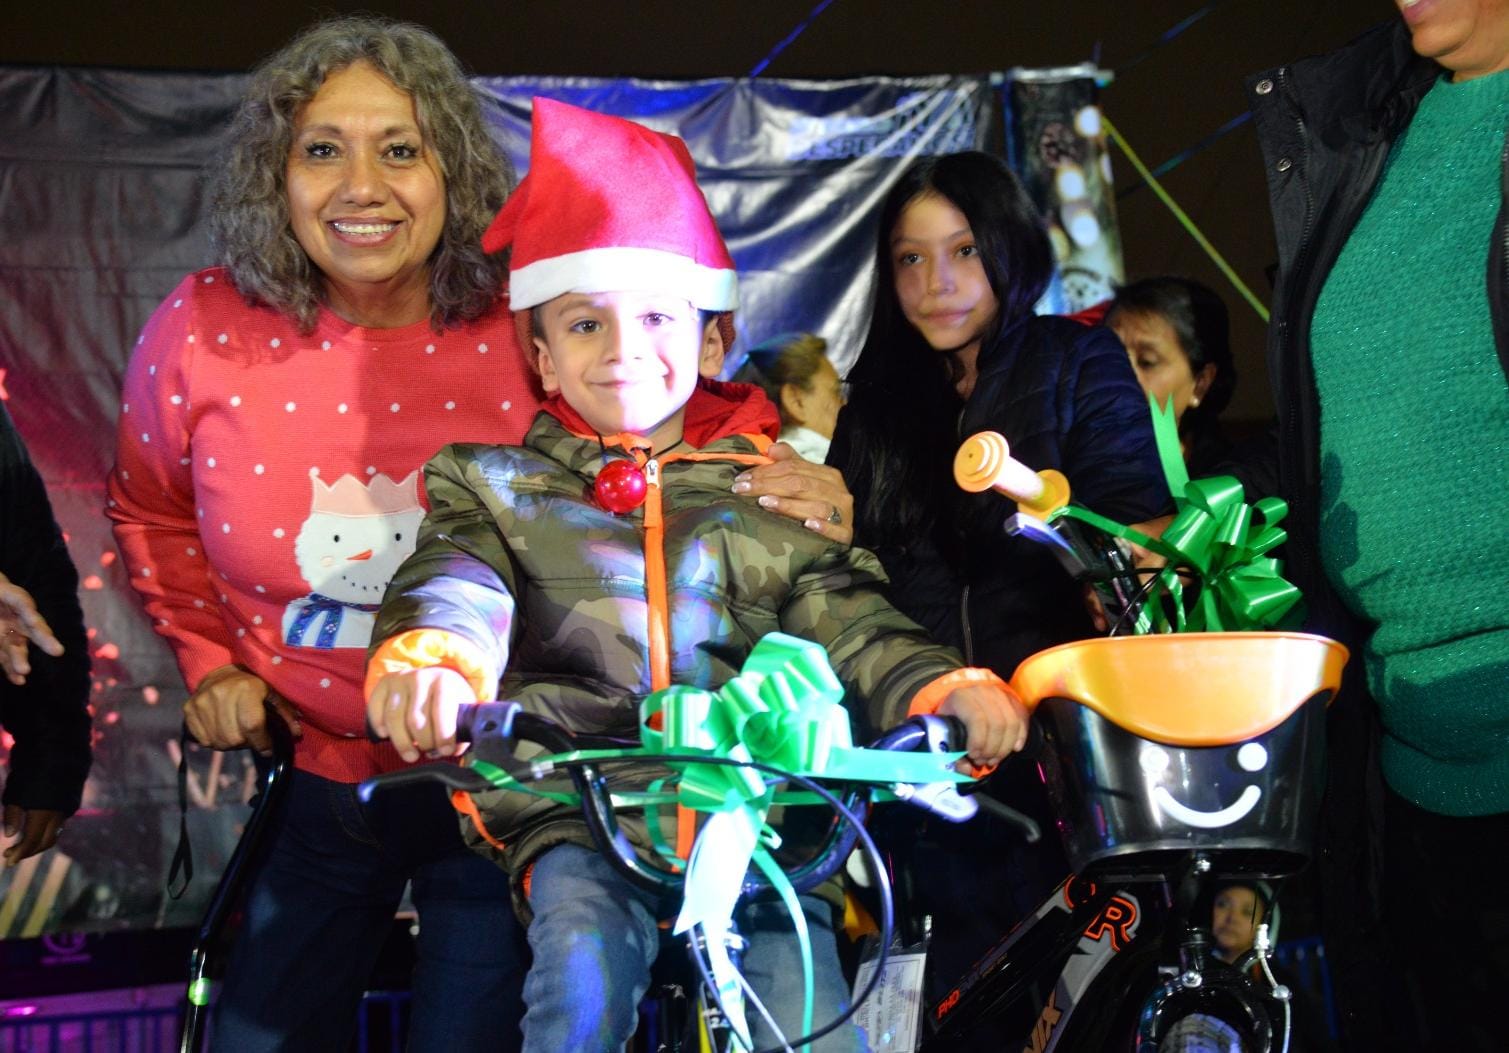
(452, 776)
(943, 799)
(1034, 529)
(940, 798)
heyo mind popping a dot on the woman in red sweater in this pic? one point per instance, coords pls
(276, 412)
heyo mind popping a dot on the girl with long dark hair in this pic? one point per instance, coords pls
(954, 348)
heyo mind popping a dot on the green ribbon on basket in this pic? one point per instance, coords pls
(1216, 538)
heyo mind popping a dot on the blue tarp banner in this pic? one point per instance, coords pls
(103, 203)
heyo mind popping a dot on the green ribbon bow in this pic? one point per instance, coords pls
(1215, 537)
(783, 709)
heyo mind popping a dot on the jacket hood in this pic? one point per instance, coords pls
(717, 410)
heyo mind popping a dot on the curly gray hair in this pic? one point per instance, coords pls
(250, 220)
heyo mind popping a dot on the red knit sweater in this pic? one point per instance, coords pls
(267, 484)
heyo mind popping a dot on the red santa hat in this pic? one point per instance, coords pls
(609, 206)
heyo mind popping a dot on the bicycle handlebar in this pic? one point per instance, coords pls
(508, 723)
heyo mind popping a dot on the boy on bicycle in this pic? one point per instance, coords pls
(539, 577)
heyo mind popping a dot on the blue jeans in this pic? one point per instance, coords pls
(322, 904)
(594, 938)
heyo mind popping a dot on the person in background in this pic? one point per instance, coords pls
(1236, 912)
(1389, 357)
(954, 348)
(795, 373)
(1178, 335)
(44, 697)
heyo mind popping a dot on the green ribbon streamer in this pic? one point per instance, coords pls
(1170, 451)
(1217, 539)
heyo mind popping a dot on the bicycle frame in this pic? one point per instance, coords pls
(233, 884)
(1125, 962)
(1090, 924)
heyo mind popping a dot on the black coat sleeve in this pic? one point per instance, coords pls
(47, 717)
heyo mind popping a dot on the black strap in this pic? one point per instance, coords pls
(183, 856)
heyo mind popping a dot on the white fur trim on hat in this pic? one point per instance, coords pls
(621, 269)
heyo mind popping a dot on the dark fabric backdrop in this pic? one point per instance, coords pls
(102, 206)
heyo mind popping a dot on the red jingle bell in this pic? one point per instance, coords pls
(620, 486)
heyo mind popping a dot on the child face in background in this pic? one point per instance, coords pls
(941, 282)
(627, 361)
(1159, 360)
(1234, 921)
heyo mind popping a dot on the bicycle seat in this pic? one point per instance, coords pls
(1157, 747)
(1187, 689)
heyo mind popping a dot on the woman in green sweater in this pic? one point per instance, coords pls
(1389, 355)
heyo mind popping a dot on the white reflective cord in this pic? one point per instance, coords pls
(1280, 991)
(754, 1000)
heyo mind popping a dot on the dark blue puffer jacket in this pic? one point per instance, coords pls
(1064, 396)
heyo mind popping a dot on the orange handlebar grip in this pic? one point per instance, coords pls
(984, 462)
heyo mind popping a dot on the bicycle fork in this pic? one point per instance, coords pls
(715, 1002)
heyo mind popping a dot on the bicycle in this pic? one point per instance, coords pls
(1171, 761)
(929, 783)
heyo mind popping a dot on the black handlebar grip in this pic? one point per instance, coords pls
(958, 734)
(1035, 744)
(485, 719)
(474, 718)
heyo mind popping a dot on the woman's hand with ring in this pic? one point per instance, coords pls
(812, 494)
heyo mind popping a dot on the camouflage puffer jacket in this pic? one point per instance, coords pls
(518, 559)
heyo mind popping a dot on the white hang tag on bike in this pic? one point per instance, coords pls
(892, 1013)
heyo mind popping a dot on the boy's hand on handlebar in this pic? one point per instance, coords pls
(994, 719)
(416, 709)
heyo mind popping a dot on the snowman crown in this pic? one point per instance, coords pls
(349, 496)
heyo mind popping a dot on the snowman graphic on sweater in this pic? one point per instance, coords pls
(354, 539)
